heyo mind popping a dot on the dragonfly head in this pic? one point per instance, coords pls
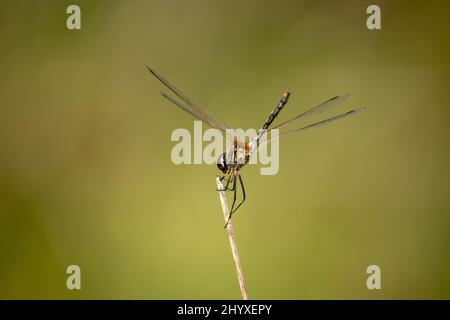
(222, 163)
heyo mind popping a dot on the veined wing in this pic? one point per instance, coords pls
(324, 122)
(188, 105)
(315, 124)
(324, 106)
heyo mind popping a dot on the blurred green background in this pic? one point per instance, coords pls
(85, 170)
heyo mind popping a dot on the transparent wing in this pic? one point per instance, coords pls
(324, 106)
(188, 105)
(324, 122)
(180, 105)
(316, 124)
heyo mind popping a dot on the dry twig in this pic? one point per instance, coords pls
(230, 232)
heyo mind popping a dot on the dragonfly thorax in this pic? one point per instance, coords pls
(234, 159)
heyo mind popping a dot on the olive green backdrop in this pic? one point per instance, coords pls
(85, 170)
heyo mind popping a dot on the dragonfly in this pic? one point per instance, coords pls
(238, 154)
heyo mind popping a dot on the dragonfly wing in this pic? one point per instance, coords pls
(316, 124)
(324, 106)
(324, 122)
(180, 105)
(189, 105)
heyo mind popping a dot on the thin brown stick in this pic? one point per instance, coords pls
(230, 232)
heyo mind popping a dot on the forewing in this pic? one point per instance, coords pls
(316, 124)
(324, 106)
(189, 105)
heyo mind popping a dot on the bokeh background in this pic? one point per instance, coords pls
(85, 170)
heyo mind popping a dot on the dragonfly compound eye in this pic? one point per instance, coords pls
(222, 163)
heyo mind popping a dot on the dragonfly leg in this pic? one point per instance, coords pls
(232, 177)
(243, 194)
(234, 202)
(243, 199)
(226, 186)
